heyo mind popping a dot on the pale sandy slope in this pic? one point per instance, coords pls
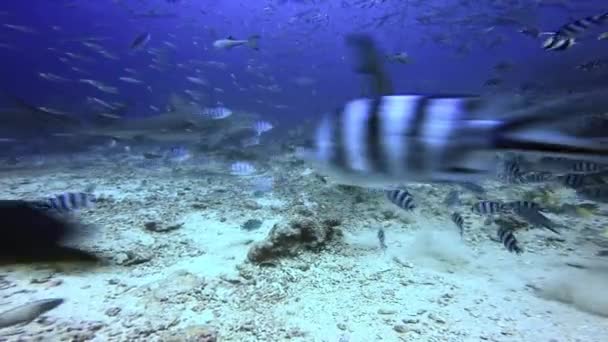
(428, 285)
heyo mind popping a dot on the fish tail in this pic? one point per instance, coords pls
(541, 128)
(253, 42)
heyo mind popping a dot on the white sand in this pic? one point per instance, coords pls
(427, 286)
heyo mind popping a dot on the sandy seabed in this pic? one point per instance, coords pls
(176, 266)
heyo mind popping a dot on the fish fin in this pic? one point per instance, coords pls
(540, 128)
(230, 38)
(369, 63)
(253, 42)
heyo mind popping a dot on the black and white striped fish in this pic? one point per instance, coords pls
(587, 166)
(487, 207)
(511, 172)
(66, 202)
(381, 239)
(517, 205)
(459, 222)
(401, 198)
(508, 240)
(573, 180)
(565, 37)
(398, 138)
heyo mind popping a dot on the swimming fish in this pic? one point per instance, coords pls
(458, 221)
(511, 172)
(508, 240)
(242, 169)
(487, 207)
(141, 40)
(517, 205)
(401, 198)
(231, 42)
(66, 202)
(262, 127)
(216, 113)
(565, 37)
(424, 138)
(381, 238)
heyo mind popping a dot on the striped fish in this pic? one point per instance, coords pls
(505, 235)
(487, 207)
(586, 166)
(216, 113)
(573, 180)
(518, 205)
(458, 221)
(565, 37)
(262, 127)
(398, 138)
(66, 202)
(401, 198)
(382, 238)
(511, 172)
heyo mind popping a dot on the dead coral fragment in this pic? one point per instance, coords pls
(287, 239)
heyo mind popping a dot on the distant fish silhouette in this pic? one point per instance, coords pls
(141, 40)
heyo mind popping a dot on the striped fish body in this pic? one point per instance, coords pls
(216, 113)
(398, 138)
(381, 239)
(586, 166)
(401, 198)
(511, 173)
(519, 205)
(458, 221)
(579, 26)
(564, 38)
(67, 202)
(573, 180)
(505, 235)
(242, 169)
(262, 127)
(393, 139)
(487, 207)
(558, 43)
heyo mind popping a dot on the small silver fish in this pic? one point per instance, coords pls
(231, 42)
